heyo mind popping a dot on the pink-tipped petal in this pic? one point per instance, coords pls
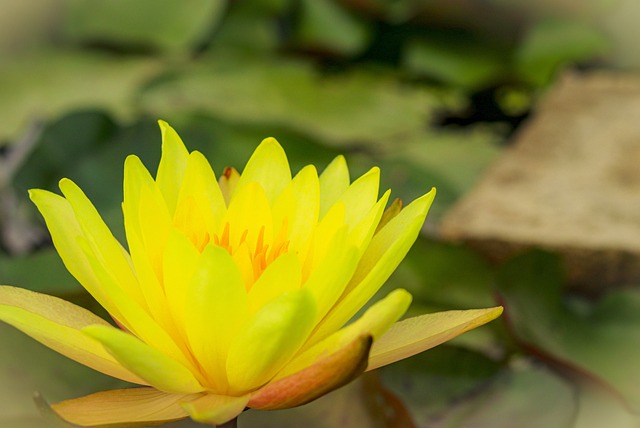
(322, 377)
(414, 335)
(124, 407)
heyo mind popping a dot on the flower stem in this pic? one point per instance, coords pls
(233, 423)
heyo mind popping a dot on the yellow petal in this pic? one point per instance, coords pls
(272, 336)
(385, 252)
(179, 264)
(361, 196)
(133, 406)
(172, 165)
(393, 210)
(157, 369)
(101, 241)
(374, 322)
(324, 376)
(215, 409)
(57, 324)
(228, 182)
(298, 205)
(136, 176)
(268, 166)
(200, 186)
(334, 180)
(132, 316)
(249, 213)
(329, 278)
(65, 232)
(281, 276)
(362, 233)
(417, 334)
(216, 308)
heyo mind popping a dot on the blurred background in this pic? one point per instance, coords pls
(512, 109)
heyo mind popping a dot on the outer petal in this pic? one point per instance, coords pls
(102, 242)
(385, 252)
(151, 365)
(324, 376)
(66, 232)
(273, 335)
(172, 165)
(216, 409)
(374, 322)
(134, 406)
(417, 334)
(334, 180)
(57, 323)
(268, 166)
(361, 196)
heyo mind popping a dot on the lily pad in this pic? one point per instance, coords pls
(348, 109)
(157, 24)
(45, 85)
(598, 340)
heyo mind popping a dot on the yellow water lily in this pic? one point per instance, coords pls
(232, 293)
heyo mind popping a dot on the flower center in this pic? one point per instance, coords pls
(258, 258)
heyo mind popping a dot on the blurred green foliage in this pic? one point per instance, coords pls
(373, 79)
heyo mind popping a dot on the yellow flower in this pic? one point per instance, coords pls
(232, 294)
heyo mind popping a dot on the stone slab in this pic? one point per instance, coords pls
(570, 182)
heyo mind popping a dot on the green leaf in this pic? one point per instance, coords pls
(47, 84)
(455, 59)
(529, 396)
(594, 339)
(42, 271)
(431, 382)
(553, 43)
(325, 26)
(157, 24)
(353, 108)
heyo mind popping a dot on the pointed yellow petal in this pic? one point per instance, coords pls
(329, 278)
(298, 205)
(201, 192)
(281, 276)
(361, 196)
(216, 308)
(172, 165)
(393, 210)
(268, 166)
(135, 406)
(326, 375)
(374, 322)
(136, 176)
(334, 180)
(417, 334)
(57, 324)
(228, 182)
(102, 242)
(215, 409)
(65, 232)
(179, 264)
(131, 315)
(272, 336)
(385, 252)
(157, 369)
(363, 232)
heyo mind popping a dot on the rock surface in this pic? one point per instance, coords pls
(570, 182)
